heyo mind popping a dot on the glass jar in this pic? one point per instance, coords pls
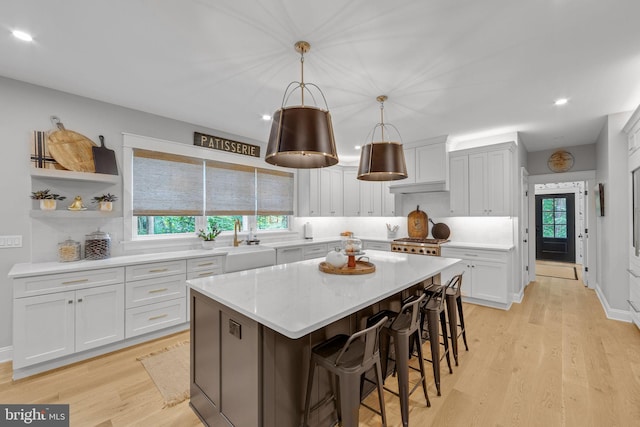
(97, 245)
(352, 246)
(69, 250)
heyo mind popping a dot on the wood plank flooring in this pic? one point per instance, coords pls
(554, 360)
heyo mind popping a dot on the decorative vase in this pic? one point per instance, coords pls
(105, 206)
(208, 244)
(48, 204)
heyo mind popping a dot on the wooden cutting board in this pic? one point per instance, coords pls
(71, 149)
(418, 224)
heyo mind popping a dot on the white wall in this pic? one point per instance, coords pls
(584, 159)
(24, 108)
(613, 232)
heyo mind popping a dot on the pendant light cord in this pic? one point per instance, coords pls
(382, 119)
(302, 76)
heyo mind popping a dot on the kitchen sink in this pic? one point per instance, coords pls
(247, 257)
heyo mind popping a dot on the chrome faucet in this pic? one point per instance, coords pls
(236, 228)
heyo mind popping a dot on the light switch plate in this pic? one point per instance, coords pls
(7, 242)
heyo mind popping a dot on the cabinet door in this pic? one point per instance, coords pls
(410, 161)
(459, 185)
(477, 184)
(388, 200)
(431, 165)
(99, 316)
(489, 281)
(465, 268)
(331, 191)
(351, 193)
(287, 255)
(370, 198)
(314, 193)
(498, 184)
(43, 328)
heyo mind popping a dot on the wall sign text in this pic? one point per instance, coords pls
(223, 144)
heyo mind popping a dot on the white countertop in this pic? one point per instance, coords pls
(34, 269)
(301, 242)
(296, 299)
(488, 246)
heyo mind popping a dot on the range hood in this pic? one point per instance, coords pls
(423, 187)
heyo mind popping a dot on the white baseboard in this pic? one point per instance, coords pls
(612, 313)
(518, 297)
(6, 354)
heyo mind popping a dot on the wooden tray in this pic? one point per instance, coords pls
(72, 150)
(362, 267)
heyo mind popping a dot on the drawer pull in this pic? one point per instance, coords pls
(207, 273)
(71, 282)
(633, 306)
(471, 255)
(158, 317)
(155, 291)
(633, 273)
(158, 270)
(204, 264)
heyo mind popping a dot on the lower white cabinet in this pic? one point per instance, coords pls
(151, 317)
(486, 274)
(376, 245)
(288, 255)
(49, 326)
(634, 296)
(296, 253)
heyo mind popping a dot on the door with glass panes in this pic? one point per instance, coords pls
(555, 227)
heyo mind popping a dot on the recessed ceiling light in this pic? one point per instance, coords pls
(266, 117)
(22, 35)
(561, 101)
(357, 147)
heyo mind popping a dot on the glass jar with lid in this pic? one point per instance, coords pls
(352, 246)
(68, 251)
(97, 245)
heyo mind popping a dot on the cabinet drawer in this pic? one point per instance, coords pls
(472, 254)
(155, 269)
(379, 246)
(314, 251)
(40, 285)
(148, 291)
(208, 263)
(152, 317)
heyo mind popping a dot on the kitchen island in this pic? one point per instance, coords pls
(251, 333)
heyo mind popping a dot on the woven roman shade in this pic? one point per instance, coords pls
(166, 184)
(275, 192)
(230, 189)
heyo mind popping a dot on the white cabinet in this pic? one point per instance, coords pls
(486, 275)
(291, 254)
(370, 198)
(481, 181)
(315, 251)
(314, 193)
(388, 200)
(59, 323)
(376, 245)
(351, 192)
(331, 192)
(288, 255)
(426, 162)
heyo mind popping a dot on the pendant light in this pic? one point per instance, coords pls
(382, 160)
(301, 136)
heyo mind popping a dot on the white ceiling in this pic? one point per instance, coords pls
(461, 68)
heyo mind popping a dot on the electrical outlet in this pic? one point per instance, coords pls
(10, 242)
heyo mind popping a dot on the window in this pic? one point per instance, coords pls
(554, 218)
(175, 194)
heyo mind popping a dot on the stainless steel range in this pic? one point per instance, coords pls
(412, 245)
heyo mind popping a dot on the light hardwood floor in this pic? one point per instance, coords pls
(554, 360)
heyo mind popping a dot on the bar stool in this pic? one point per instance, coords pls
(453, 297)
(348, 358)
(404, 328)
(432, 310)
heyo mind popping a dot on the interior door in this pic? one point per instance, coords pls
(555, 227)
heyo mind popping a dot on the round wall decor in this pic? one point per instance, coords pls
(560, 161)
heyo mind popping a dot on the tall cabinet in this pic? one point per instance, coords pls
(632, 129)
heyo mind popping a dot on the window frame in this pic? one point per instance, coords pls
(132, 142)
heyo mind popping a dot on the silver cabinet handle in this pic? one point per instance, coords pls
(72, 282)
(207, 273)
(204, 264)
(633, 273)
(158, 270)
(155, 291)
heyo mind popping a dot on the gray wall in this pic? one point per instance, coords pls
(25, 108)
(584, 159)
(613, 228)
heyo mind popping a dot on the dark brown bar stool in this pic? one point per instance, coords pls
(432, 310)
(453, 297)
(404, 328)
(348, 358)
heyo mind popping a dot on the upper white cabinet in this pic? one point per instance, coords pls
(481, 181)
(331, 191)
(427, 163)
(351, 192)
(370, 198)
(388, 200)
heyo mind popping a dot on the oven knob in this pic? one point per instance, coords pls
(413, 250)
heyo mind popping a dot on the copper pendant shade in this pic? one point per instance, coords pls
(301, 136)
(383, 160)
